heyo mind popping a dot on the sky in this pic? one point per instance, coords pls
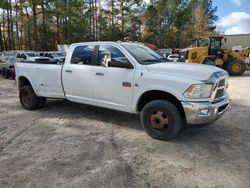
(234, 16)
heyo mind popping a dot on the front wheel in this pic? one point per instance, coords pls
(236, 67)
(161, 120)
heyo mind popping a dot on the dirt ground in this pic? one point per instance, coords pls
(73, 145)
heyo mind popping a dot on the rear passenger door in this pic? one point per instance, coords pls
(77, 76)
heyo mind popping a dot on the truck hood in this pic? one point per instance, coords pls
(191, 71)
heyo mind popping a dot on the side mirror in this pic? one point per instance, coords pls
(121, 64)
(106, 58)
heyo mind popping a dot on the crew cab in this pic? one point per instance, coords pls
(132, 78)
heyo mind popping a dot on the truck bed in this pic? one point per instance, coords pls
(45, 77)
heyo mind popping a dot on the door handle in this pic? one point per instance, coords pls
(99, 74)
(68, 71)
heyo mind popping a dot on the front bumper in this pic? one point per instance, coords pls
(205, 112)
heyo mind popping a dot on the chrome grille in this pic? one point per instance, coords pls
(222, 83)
(221, 88)
(220, 93)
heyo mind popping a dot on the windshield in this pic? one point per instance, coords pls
(58, 54)
(204, 42)
(33, 54)
(143, 54)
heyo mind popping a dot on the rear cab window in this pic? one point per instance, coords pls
(83, 55)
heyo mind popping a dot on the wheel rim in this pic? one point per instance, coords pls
(25, 97)
(159, 120)
(236, 67)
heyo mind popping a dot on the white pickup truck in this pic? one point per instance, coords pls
(132, 78)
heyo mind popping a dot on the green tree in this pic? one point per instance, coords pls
(203, 19)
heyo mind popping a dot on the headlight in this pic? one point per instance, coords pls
(198, 91)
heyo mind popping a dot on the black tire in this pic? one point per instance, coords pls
(28, 98)
(5, 73)
(13, 74)
(41, 102)
(209, 62)
(161, 120)
(239, 70)
(8, 74)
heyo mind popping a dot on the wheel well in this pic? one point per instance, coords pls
(156, 95)
(22, 81)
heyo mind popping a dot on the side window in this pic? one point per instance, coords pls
(46, 55)
(116, 54)
(82, 55)
(215, 44)
(18, 56)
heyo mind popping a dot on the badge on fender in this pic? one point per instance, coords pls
(126, 84)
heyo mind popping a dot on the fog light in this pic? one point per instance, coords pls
(204, 112)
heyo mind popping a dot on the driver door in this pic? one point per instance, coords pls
(113, 86)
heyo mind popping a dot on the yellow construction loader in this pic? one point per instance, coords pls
(209, 51)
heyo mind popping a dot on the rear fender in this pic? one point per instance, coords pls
(19, 83)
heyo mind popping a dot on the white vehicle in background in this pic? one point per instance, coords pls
(54, 56)
(7, 64)
(173, 57)
(7, 57)
(132, 78)
(29, 56)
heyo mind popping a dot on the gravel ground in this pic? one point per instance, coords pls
(72, 145)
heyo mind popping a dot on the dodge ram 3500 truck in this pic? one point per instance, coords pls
(132, 78)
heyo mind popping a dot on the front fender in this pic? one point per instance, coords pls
(138, 94)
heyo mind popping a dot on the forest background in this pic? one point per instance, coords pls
(42, 24)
